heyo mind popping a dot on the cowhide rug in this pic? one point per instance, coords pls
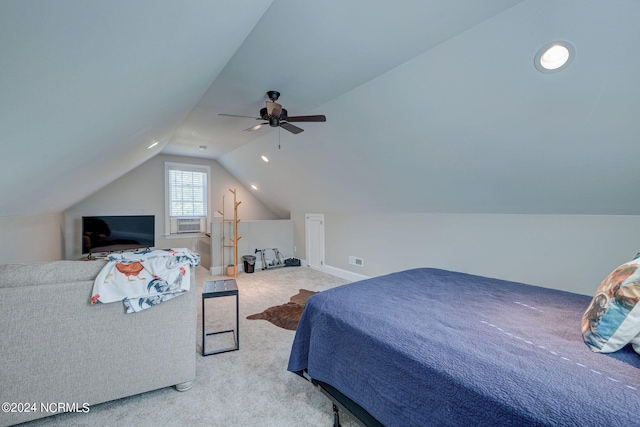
(287, 315)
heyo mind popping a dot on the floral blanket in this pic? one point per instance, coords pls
(144, 279)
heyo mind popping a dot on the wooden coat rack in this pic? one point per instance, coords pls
(233, 238)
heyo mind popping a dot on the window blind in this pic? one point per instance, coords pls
(187, 193)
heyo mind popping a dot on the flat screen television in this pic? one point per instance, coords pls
(117, 233)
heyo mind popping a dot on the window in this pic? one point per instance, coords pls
(186, 196)
(187, 192)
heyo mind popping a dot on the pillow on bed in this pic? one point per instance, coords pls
(613, 317)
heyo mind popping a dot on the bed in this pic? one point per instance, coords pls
(434, 347)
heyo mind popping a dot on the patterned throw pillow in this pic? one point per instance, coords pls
(613, 317)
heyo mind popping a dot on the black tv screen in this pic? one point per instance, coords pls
(117, 233)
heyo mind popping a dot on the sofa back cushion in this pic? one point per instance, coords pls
(15, 275)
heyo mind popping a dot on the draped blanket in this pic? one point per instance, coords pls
(144, 279)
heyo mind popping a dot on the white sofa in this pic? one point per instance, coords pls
(55, 347)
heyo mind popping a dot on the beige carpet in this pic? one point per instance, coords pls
(249, 387)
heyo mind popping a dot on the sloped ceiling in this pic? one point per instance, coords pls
(87, 86)
(432, 106)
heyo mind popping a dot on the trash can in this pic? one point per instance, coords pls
(249, 263)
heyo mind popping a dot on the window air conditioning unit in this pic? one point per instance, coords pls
(190, 225)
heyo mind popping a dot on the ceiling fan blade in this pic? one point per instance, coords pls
(256, 127)
(273, 109)
(318, 118)
(291, 128)
(235, 115)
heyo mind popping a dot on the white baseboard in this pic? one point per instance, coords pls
(338, 272)
(334, 271)
(215, 271)
(344, 274)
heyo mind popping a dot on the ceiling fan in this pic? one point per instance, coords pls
(274, 115)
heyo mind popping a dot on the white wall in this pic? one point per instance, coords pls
(567, 252)
(141, 192)
(254, 235)
(31, 238)
(299, 235)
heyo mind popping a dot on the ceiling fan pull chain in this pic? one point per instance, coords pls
(278, 138)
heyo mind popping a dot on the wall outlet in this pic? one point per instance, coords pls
(356, 261)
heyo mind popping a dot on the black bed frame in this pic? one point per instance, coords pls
(343, 403)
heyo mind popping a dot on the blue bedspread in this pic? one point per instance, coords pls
(433, 347)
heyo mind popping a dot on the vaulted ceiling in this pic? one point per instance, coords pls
(431, 106)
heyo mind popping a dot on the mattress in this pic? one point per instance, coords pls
(434, 347)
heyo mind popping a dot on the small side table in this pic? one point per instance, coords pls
(216, 289)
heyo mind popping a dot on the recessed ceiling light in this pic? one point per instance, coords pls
(254, 186)
(152, 145)
(265, 159)
(554, 56)
(202, 147)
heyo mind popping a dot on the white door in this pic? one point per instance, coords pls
(314, 226)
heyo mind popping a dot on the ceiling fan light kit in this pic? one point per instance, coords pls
(276, 116)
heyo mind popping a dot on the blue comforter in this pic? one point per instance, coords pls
(433, 347)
